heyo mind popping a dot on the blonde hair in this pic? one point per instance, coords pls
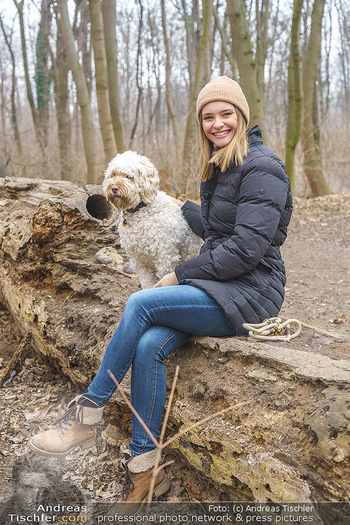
(234, 152)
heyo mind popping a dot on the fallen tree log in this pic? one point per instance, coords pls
(63, 281)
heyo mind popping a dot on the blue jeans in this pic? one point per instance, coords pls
(155, 322)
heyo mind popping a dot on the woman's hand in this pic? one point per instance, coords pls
(169, 279)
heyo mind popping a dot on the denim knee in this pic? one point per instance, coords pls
(136, 302)
(150, 346)
(132, 301)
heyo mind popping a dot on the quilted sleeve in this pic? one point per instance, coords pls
(192, 214)
(262, 198)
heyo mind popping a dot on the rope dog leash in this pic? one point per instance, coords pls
(274, 329)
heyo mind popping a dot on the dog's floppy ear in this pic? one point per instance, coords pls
(149, 180)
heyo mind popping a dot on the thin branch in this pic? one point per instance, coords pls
(159, 444)
(133, 410)
(171, 396)
(161, 438)
(205, 420)
(163, 465)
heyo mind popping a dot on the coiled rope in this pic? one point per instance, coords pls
(274, 329)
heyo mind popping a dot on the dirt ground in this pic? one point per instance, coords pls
(317, 258)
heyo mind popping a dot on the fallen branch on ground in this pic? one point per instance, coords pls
(160, 445)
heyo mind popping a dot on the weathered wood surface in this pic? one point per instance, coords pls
(290, 443)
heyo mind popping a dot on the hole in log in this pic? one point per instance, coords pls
(98, 207)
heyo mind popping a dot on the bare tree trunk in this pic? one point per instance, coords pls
(262, 21)
(82, 35)
(19, 6)
(196, 33)
(344, 32)
(168, 94)
(270, 87)
(200, 79)
(295, 92)
(3, 100)
(109, 23)
(189, 47)
(324, 83)
(193, 28)
(14, 119)
(42, 77)
(244, 54)
(312, 161)
(101, 75)
(208, 54)
(153, 67)
(138, 74)
(226, 52)
(82, 93)
(60, 69)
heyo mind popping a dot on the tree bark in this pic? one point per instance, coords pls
(200, 79)
(226, 52)
(14, 118)
(42, 76)
(168, 93)
(138, 74)
(46, 250)
(60, 69)
(242, 45)
(3, 99)
(344, 30)
(101, 76)
(295, 92)
(262, 9)
(109, 24)
(193, 29)
(82, 94)
(153, 70)
(312, 160)
(82, 35)
(19, 6)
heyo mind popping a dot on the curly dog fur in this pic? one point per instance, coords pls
(152, 229)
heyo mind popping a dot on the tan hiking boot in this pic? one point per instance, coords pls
(76, 428)
(138, 477)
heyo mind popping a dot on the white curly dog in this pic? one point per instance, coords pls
(152, 229)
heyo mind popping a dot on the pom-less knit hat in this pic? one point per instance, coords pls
(225, 89)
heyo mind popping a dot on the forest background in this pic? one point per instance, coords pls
(82, 80)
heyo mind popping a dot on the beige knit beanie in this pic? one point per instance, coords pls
(225, 89)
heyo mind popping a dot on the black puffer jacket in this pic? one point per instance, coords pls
(243, 220)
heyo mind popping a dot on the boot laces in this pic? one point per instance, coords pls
(66, 419)
(127, 456)
(128, 485)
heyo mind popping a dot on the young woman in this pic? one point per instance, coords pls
(238, 277)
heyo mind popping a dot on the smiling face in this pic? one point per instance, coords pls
(219, 122)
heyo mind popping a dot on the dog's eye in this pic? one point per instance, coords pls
(130, 176)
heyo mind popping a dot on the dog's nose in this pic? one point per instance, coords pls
(115, 188)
